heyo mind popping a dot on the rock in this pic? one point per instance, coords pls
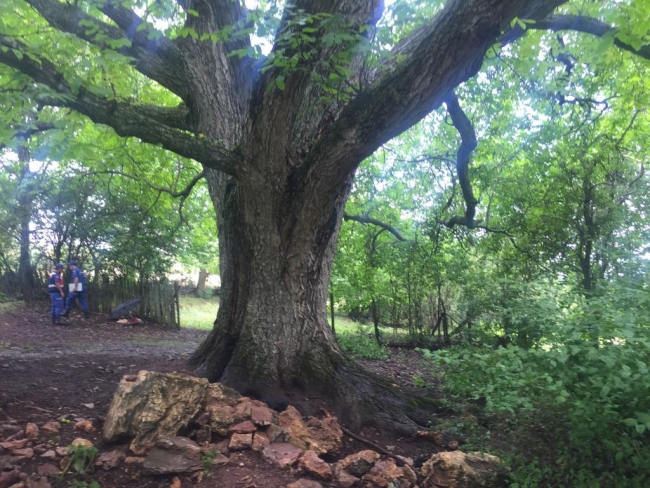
(17, 436)
(282, 454)
(275, 433)
(111, 460)
(133, 460)
(315, 466)
(239, 442)
(343, 478)
(48, 469)
(321, 436)
(387, 474)
(218, 392)
(219, 460)
(61, 451)
(31, 431)
(222, 417)
(51, 426)
(80, 441)
(304, 483)
(261, 415)
(291, 421)
(326, 433)
(246, 427)
(84, 426)
(8, 478)
(11, 445)
(457, 469)
(27, 452)
(154, 405)
(173, 455)
(49, 454)
(41, 483)
(260, 441)
(359, 463)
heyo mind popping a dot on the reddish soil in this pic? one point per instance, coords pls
(52, 372)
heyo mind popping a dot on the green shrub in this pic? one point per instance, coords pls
(586, 390)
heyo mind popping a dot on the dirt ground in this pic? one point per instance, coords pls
(71, 372)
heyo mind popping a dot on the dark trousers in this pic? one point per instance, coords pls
(57, 306)
(81, 296)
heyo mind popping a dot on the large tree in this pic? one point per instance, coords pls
(279, 139)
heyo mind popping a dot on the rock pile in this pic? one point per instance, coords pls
(176, 424)
(182, 424)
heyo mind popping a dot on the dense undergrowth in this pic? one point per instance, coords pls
(572, 410)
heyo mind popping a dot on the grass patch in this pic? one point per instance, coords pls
(8, 305)
(198, 313)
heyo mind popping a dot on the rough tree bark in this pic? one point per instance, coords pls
(26, 197)
(279, 162)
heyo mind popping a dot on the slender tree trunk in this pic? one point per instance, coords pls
(200, 284)
(25, 204)
(332, 311)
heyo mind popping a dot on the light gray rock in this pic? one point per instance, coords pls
(154, 405)
(173, 455)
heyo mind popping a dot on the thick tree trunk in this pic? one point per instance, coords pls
(271, 337)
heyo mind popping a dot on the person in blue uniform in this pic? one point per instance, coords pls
(77, 290)
(55, 288)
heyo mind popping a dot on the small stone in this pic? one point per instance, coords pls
(61, 451)
(343, 478)
(31, 431)
(51, 426)
(50, 454)
(27, 452)
(315, 466)
(84, 426)
(359, 463)
(275, 433)
(89, 405)
(80, 441)
(282, 454)
(112, 459)
(261, 415)
(48, 469)
(176, 483)
(8, 478)
(239, 442)
(11, 445)
(260, 441)
(246, 427)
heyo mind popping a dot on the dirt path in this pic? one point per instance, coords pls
(49, 372)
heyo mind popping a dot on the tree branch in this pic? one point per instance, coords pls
(184, 193)
(27, 132)
(450, 51)
(369, 220)
(587, 25)
(158, 59)
(468, 143)
(128, 120)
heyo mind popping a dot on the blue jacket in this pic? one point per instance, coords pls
(53, 280)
